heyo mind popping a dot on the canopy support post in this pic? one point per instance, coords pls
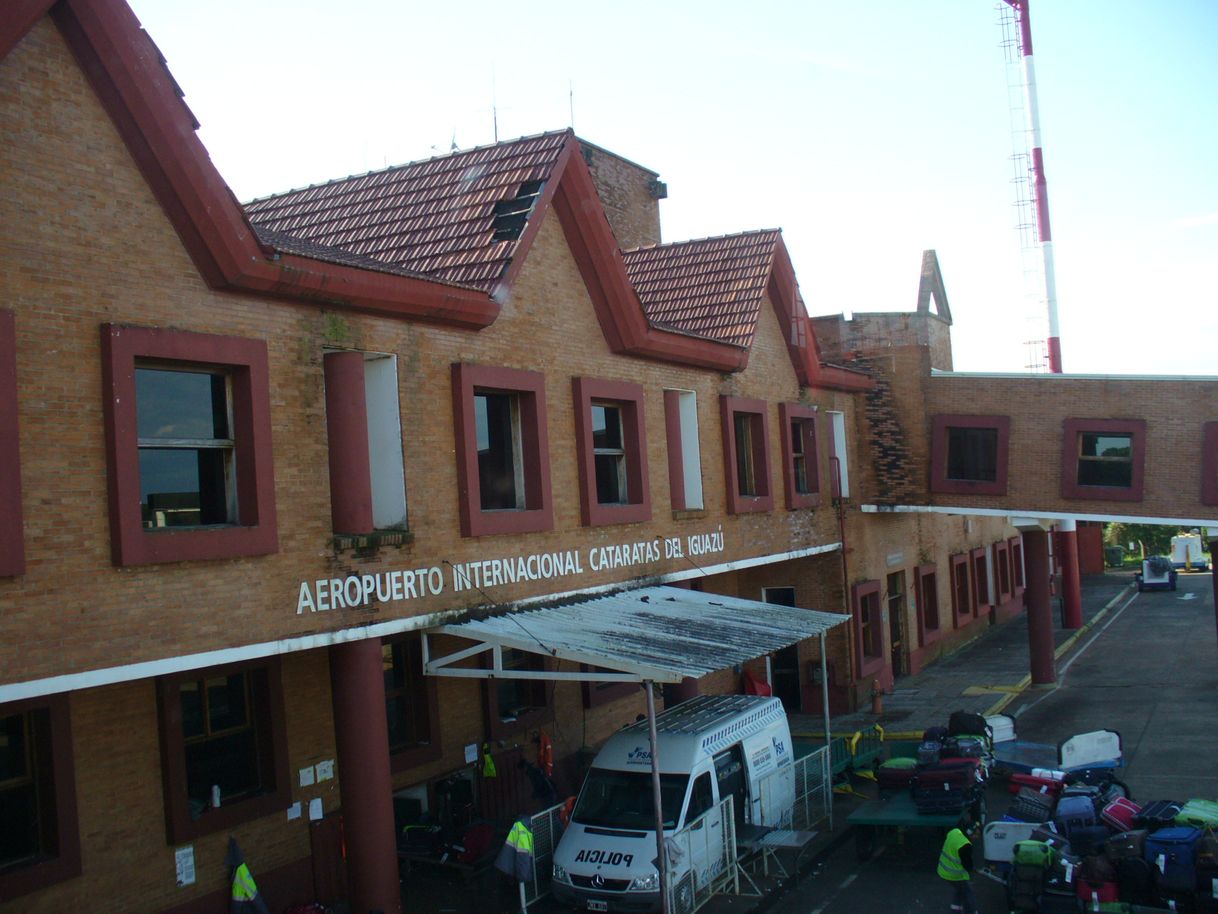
(661, 857)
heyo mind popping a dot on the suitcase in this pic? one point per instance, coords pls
(1126, 844)
(1057, 900)
(970, 746)
(896, 773)
(928, 752)
(1178, 901)
(1073, 812)
(1089, 840)
(966, 723)
(1097, 868)
(1172, 851)
(1118, 815)
(934, 734)
(1136, 880)
(1199, 814)
(1034, 853)
(1002, 727)
(1093, 894)
(1041, 784)
(1025, 883)
(1157, 814)
(1032, 806)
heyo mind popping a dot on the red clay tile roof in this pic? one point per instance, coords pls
(710, 287)
(435, 218)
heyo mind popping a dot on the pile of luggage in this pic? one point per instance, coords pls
(951, 768)
(1095, 849)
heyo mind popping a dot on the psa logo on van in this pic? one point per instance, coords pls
(639, 755)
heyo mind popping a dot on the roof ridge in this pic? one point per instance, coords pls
(412, 163)
(673, 244)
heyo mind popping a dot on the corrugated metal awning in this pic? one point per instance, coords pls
(661, 634)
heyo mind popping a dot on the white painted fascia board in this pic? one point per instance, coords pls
(1039, 515)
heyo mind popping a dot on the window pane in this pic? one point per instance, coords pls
(226, 703)
(394, 668)
(610, 486)
(184, 487)
(606, 427)
(495, 422)
(1095, 445)
(14, 761)
(745, 479)
(180, 404)
(18, 822)
(190, 696)
(1117, 473)
(229, 762)
(799, 458)
(972, 454)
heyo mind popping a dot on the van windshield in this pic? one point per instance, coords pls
(623, 799)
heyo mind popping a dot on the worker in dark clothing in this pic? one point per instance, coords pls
(956, 863)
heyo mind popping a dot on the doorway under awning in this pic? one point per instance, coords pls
(650, 634)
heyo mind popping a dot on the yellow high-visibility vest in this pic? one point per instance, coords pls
(950, 866)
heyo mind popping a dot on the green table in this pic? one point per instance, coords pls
(895, 813)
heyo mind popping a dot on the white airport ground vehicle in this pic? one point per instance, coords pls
(710, 747)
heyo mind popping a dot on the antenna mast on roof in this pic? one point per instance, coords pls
(494, 108)
(1036, 174)
(571, 101)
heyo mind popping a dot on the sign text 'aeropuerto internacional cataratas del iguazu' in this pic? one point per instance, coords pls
(358, 590)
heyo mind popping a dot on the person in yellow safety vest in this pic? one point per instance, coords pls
(956, 863)
(245, 897)
(515, 860)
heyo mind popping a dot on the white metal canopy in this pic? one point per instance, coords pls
(657, 634)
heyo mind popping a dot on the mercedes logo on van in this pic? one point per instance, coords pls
(598, 881)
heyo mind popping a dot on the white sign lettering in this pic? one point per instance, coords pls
(357, 591)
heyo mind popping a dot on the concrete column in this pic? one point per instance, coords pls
(358, 694)
(1072, 587)
(1040, 607)
(347, 433)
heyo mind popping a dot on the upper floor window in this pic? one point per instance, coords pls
(186, 447)
(684, 450)
(969, 454)
(12, 548)
(189, 445)
(224, 747)
(39, 840)
(503, 464)
(841, 462)
(611, 443)
(746, 455)
(801, 471)
(1209, 463)
(1103, 459)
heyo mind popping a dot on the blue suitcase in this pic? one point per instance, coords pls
(1173, 852)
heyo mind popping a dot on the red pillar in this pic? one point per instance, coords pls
(1214, 578)
(1072, 587)
(360, 728)
(347, 433)
(1040, 607)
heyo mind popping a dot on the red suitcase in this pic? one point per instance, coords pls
(1118, 815)
(1043, 785)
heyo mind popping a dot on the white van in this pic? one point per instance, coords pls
(710, 747)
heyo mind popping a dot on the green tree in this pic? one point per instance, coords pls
(1152, 539)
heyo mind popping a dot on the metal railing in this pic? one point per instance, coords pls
(547, 829)
(708, 843)
(813, 790)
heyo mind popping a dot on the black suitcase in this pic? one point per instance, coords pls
(1058, 900)
(1135, 880)
(1089, 839)
(1025, 884)
(1125, 844)
(934, 734)
(1157, 814)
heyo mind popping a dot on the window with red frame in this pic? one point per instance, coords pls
(518, 704)
(1103, 459)
(503, 463)
(1209, 463)
(611, 444)
(1002, 567)
(969, 454)
(928, 602)
(39, 837)
(1016, 545)
(981, 579)
(962, 598)
(746, 455)
(801, 471)
(224, 747)
(189, 443)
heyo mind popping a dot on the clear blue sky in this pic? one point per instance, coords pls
(866, 131)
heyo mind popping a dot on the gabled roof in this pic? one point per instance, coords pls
(457, 217)
(710, 286)
(438, 240)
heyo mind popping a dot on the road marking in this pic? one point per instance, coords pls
(1187, 596)
(849, 879)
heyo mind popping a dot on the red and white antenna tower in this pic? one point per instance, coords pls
(1040, 194)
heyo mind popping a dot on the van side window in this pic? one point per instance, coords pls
(701, 798)
(729, 772)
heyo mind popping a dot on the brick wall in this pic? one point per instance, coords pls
(629, 194)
